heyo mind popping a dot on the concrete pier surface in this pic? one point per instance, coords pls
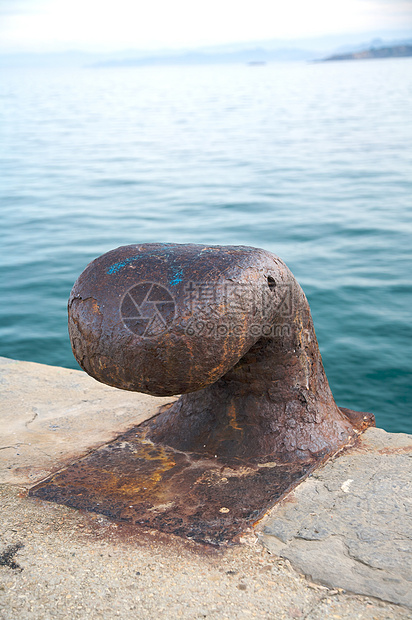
(338, 546)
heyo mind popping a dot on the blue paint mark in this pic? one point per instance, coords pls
(177, 272)
(177, 277)
(116, 267)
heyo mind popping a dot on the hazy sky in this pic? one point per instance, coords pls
(43, 25)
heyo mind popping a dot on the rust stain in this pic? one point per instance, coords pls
(303, 357)
(133, 481)
(395, 450)
(231, 413)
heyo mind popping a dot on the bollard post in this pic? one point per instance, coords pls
(230, 330)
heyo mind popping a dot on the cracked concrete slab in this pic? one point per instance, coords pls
(52, 416)
(349, 525)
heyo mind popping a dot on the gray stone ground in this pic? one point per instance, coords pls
(52, 416)
(56, 562)
(350, 524)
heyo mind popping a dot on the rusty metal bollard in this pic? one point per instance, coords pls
(230, 329)
(227, 327)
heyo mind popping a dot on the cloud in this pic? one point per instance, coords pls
(22, 7)
(397, 13)
(151, 24)
(390, 3)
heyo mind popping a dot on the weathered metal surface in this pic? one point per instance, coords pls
(230, 329)
(227, 327)
(134, 481)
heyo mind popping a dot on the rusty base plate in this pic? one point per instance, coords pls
(133, 480)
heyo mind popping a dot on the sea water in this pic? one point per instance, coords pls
(310, 161)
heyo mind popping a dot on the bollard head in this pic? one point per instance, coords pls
(170, 319)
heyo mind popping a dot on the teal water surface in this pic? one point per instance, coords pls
(310, 161)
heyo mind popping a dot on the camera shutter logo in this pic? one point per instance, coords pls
(148, 309)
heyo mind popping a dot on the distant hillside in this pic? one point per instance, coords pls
(336, 47)
(393, 51)
(256, 55)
